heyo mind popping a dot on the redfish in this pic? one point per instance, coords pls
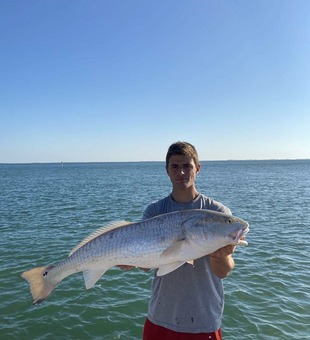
(165, 242)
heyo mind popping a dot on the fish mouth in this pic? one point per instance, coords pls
(237, 235)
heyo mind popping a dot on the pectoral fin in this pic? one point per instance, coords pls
(174, 251)
(168, 268)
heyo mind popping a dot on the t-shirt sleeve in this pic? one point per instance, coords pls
(226, 210)
(217, 206)
(149, 212)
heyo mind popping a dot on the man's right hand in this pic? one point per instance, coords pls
(123, 266)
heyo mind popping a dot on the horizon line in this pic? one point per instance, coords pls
(162, 161)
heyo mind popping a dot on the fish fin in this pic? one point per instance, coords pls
(100, 231)
(174, 251)
(242, 243)
(168, 268)
(91, 276)
(40, 283)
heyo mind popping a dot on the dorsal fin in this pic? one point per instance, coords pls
(100, 231)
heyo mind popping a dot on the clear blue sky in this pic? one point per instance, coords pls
(120, 80)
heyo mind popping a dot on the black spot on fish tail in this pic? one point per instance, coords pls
(38, 301)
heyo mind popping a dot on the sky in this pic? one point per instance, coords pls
(121, 80)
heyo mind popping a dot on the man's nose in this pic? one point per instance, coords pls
(181, 171)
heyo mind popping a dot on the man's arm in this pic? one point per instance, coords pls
(222, 262)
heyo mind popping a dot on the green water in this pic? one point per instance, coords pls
(45, 210)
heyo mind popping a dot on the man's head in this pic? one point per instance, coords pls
(182, 166)
(183, 149)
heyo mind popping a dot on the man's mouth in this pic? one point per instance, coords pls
(182, 179)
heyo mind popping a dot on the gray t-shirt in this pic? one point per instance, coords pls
(189, 299)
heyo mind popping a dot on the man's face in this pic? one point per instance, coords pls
(182, 171)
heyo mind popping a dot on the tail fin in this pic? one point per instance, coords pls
(41, 282)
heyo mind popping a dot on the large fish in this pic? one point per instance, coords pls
(165, 242)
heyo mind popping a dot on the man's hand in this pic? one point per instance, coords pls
(123, 266)
(223, 252)
(221, 261)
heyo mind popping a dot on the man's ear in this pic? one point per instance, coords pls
(198, 169)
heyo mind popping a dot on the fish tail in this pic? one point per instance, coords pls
(41, 282)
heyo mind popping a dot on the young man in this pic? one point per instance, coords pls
(187, 304)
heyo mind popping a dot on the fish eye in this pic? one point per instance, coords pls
(229, 221)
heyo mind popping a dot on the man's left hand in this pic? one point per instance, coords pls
(223, 252)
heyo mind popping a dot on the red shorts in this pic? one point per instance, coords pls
(154, 332)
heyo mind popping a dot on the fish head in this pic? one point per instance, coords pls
(210, 230)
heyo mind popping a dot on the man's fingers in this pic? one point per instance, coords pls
(123, 266)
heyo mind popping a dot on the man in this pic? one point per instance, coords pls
(187, 304)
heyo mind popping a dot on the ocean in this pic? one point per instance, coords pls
(46, 209)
